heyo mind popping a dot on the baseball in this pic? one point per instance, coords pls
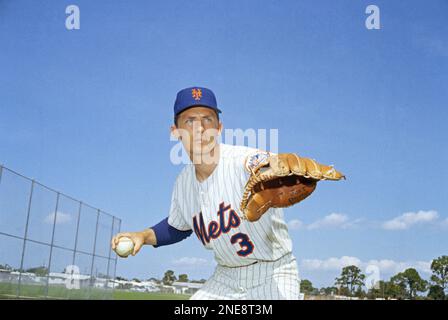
(125, 247)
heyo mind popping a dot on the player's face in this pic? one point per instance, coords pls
(199, 129)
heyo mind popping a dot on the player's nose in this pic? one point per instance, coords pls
(198, 127)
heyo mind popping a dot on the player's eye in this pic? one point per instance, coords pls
(189, 122)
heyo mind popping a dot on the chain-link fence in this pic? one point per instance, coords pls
(51, 245)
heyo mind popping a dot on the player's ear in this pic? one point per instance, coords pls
(220, 127)
(175, 132)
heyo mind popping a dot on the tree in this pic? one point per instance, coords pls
(410, 281)
(154, 280)
(351, 277)
(439, 269)
(344, 291)
(183, 278)
(436, 293)
(386, 290)
(328, 291)
(306, 287)
(6, 267)
(360, 293)
(136, 280)
(377, 290)
(395, 290)
(39, 271)
(169, 278)
(198, 281)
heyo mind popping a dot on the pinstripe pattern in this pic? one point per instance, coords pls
(265, 280)
(215, 201)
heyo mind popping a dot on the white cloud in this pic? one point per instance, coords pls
(295, 224)
(330, 263)
(424, 266)
(333, 220)
(61, 218)
(390, 266)
(191, 262)
(385, 265)
(409, 219)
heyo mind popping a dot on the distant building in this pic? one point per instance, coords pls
(58, 278)
(186, 287)
(5, 275)
(143, 286)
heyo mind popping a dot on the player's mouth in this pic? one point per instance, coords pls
(202, 141)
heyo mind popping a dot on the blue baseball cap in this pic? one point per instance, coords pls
(195, 96)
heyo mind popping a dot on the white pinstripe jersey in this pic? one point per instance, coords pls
(211, 209)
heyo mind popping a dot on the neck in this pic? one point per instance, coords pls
(206, 164)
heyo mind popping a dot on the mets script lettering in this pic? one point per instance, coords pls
(228, 219)
(216, 228)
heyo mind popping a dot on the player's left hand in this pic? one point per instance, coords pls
(138, 238)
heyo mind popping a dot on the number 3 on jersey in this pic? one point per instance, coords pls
(247, 247)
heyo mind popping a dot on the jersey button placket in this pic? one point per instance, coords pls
(203, 198)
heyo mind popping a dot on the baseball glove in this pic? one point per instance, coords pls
(281, 181)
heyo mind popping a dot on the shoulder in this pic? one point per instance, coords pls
(245, 156)
(185, 175)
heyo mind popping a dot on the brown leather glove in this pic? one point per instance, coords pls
(280, 181)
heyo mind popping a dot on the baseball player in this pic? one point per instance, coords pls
(254, 258)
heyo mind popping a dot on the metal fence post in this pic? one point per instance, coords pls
(52, 243)
(94, 249)
(77, 230)
(116, 258)
(76, 238)
(110, 251)
(25, 238)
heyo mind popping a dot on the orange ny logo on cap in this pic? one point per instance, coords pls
(196, 94)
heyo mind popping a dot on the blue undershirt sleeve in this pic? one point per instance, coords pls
(166, 234)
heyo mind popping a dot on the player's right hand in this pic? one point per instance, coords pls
(138, 238)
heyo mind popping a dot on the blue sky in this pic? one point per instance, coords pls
(88, 111)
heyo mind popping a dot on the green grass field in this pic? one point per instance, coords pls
(9, 291)
(124, 295)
